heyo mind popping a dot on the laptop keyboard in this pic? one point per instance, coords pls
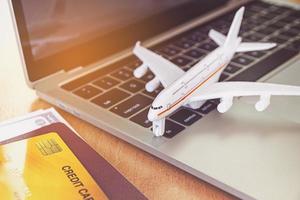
(114, 88)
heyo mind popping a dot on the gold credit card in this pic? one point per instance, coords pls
(43, 167)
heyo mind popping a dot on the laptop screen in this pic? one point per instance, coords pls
(63, 34)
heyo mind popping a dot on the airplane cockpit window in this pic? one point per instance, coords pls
(156, 108)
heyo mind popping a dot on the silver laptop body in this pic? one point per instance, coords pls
(249, 154)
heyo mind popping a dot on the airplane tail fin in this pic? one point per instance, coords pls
(232, 35)
(232, 38)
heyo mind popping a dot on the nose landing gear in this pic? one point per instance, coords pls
(158, 127)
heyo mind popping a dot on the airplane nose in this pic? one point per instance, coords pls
(151, 116)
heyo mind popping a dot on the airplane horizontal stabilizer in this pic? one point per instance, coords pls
(254, 46)
(217, 37)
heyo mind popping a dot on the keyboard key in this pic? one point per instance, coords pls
(266, 65)
(94, 75)
(110, 98)
(232, 69)
(87, 92)
(252, 21)
(289, 33)
(154, 93)
(277, 40)
(295, 31)
(282, 22)
(296, 27)
(245, 29)
(207, 107)
(295, 14)
(255, 8)
(195, 53)
(276, 25)
(248, 13)
(205, 29)
(269, 15)
(224, 31)
(148, 76)
(295, 45)
(262, 20)
(263, 5)
(133, 86)
(184, 44)
(220, 25)
(181, 61)
(255, 54)
(197, 37)
(142, 119)
(185, 117)
(169, 51)
(242, 60)
(279, 10)
(265, 31)
(208, 46)
(106, 82)
(288, 19)
(229, 17)
(131, 106)
(249, 23)
(223, 77)
(172, 129)
(123, 74)
(253, 37)
(134, 64)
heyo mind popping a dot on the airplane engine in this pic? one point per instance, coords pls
(152, 85)
(140, 71)
(225, 104)
(263, 103)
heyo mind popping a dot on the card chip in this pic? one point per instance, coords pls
(48, 147)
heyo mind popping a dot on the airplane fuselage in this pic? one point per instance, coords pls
(204, 73)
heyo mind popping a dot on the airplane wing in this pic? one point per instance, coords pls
(164, 70)
(227, 90)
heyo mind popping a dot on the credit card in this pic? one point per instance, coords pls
(44, 167)
(34, 155)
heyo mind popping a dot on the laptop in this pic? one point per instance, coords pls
(77, 55)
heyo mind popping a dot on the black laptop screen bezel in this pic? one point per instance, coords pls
(92, 51)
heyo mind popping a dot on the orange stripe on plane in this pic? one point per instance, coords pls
(192, 91)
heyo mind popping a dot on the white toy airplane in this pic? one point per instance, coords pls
(200, 83)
